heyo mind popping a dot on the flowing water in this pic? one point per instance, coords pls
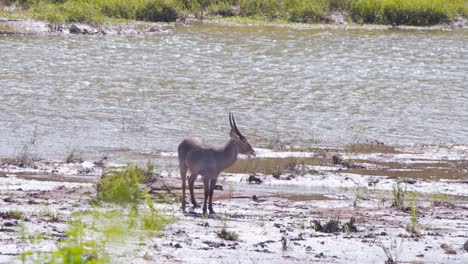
(125, 96)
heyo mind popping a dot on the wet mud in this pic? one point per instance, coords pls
(350, 218)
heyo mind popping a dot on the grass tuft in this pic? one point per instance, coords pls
(122, 187)
(399, 195)
(14, 213)
(155, 220)
(224, 233)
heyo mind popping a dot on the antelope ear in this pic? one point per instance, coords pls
(233, 134)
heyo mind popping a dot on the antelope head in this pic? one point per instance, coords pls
(242, 143)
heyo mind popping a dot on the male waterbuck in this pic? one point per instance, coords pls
(209, 162)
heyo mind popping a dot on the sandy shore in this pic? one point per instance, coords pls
(290, 218)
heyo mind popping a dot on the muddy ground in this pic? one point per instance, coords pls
(325, 206)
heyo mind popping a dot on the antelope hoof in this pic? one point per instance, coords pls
(212, 212)
(195, 205)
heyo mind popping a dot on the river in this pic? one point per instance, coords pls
(126, 96)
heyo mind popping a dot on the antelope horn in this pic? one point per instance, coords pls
(235, 127)
(230, 120)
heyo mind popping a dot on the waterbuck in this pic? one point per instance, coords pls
(209, 162)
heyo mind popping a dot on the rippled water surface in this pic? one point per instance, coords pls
(128, 95)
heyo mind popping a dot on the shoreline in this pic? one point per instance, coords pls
(31, 27)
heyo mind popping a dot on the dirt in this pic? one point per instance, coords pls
(26, 27)
(258, 222)
(33, 27)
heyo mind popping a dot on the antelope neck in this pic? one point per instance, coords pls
(228, 154)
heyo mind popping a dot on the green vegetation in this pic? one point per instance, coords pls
(274, 166)
(441, 199)
(358, 196)
(49, 213)
(403, 12)
(14, 213)
(74, 249)
(224, 233)
(123, 187)
(397, 12)
(155, 220)
(91, 233)
(369, 148)
(399, 195)
(413, 226)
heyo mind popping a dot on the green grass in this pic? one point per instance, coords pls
(397, 12)
(74, 249)
(122, 187)
(224, 233)
(155, 220)
(91, 233)
(413, 226)
(274, 166)
(399, 195)
(403, 12)
(15, 213)
(440, 199)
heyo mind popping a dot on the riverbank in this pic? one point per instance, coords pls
(27, 27)
(331, 211)
(135, 17)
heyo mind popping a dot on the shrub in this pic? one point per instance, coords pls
(155, 220)
(399, 12)
(271, 9)
(306, 12)
(118, 8)
(158, 10)
(122, 187)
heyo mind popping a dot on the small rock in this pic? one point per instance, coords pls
(409, 181)
(213, 244)
(177, 245)
(148, 256)
(308, 248)
(254, 179)
(75, 30)
(420, 255)
(8, 224)
(448, 249)
(445, 246)
(155, 29)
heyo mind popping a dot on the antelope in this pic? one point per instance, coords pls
(209, 162)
